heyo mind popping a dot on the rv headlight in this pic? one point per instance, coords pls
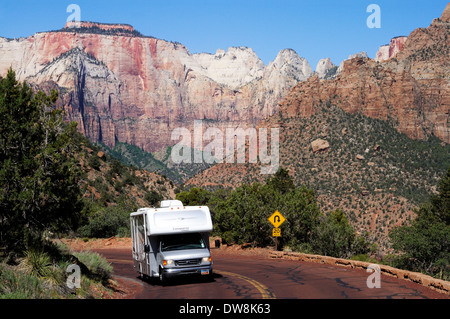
(206, 259)
(167, 262)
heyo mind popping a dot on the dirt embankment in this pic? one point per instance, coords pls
(79, 244)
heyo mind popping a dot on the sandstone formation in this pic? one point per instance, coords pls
(390, 50)
(119, 85)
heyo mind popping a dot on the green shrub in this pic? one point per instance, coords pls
(99, 268)
(196, 196)
(153, 197)
(36, 263)
(424, 244)
(365, 258)
(94, 162)
(107, 222)
(19, 285)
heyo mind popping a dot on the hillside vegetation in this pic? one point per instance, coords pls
(240, 216)
(160, 162)
(375, 174)
(112, 190)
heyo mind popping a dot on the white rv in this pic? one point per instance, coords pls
(171, 240)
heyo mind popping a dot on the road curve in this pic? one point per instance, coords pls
(255, 277)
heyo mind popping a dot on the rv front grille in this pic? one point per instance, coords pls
(188, 262)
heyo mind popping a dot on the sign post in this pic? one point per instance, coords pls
(276, 219)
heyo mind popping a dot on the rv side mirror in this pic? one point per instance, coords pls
(217, 243)
(146, 249)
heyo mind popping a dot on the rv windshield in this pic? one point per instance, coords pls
(182, 242)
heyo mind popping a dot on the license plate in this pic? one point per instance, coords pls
(205, 272)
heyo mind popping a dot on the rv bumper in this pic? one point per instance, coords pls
(173, 272)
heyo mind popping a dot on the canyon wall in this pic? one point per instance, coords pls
(137, 90)
(119, 85)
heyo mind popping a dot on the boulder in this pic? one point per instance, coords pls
(319, 145)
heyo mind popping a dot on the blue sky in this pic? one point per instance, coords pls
(315, 29)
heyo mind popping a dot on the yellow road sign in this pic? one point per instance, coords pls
(276, 232)
(277, 219)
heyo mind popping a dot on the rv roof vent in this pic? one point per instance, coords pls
(171, 203)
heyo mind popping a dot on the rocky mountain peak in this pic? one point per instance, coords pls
(287, 55)
(446, 14)
(234, 68)
(351, 57)
(289, 63)
(323, 67)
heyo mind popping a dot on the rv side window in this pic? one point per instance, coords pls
(138, 236)
(182, 242)
(140, 229)
(140, 225)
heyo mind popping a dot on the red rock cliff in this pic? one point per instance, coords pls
(412, 89)
(389, 51)
(135, 89)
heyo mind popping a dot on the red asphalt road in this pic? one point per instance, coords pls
(255, 277)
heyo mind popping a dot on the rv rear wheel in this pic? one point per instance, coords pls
(141, 274)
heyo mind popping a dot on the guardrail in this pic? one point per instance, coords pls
(439, 285)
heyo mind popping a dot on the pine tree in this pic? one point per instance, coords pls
(282, 181)
(38, 171)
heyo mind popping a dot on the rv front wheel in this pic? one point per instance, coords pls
(162, 277)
